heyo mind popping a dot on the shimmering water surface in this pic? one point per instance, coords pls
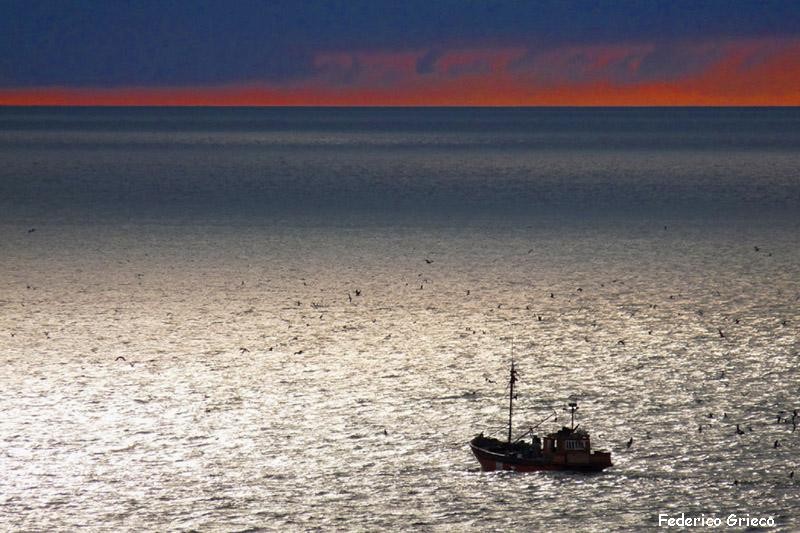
(219, 252)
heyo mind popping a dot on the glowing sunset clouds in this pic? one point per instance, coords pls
(728, 72)
(389, 53)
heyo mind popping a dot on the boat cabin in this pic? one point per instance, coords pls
(567, 440)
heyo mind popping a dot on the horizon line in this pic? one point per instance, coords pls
(409, 106)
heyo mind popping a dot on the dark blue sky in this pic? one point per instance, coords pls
(147, 43)
(414, 52)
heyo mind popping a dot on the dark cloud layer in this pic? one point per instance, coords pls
(427, 62)
(171, 42)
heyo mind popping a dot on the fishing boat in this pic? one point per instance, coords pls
(569, 448)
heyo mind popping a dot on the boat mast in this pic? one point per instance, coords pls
(512, 380)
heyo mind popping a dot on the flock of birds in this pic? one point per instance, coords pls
(781, 416)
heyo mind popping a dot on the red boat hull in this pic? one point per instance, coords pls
(575, 462)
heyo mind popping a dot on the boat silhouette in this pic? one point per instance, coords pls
(569, 448)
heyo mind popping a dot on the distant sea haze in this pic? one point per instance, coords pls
(567, 162)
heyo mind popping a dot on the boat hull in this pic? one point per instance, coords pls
(588, 462)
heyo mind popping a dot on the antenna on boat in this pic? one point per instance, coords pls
(512, 379)
(573, 406)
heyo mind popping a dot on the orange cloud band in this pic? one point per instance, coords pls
(762, 72)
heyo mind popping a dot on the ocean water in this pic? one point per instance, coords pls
(293, 362)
